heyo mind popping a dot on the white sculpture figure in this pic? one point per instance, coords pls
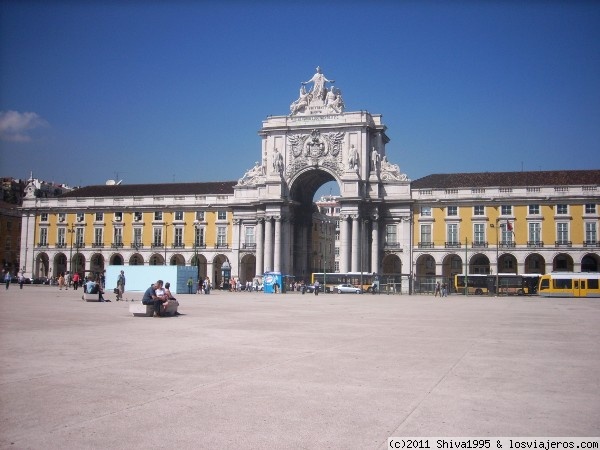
(253, 175)
(374, 160)
(302, 102)
(277, 162)
(318, 90)
(353, 160)
(391, 171)
(338, 104)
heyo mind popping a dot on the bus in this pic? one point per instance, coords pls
(508, 284)
(570, 284)
(329, 280)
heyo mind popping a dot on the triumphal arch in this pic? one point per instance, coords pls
(317, 142)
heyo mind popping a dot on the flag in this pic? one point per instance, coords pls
(509, 226)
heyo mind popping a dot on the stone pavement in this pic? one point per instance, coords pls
(250, 370)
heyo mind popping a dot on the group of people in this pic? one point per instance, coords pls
(66, 280)
(441, 289)
(203, 286)
(159, 296)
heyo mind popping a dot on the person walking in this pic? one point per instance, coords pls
(317, 285)
(120, 285)
(7, 279)
(21, 280)
(190, 285)
(75, 280)
(438, 290)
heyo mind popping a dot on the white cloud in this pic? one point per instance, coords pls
(15, 126)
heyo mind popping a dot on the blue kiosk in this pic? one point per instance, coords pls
(273, 283)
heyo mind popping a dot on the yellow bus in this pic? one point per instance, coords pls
(328, 281)
(570, 284)
(508, 284)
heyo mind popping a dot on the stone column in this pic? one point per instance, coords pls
(268, 261)
(277, 249)
(375, 245)
(344, 243)
(356, 243)
(235, 248)
(260, 248)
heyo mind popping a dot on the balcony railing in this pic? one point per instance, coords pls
(426, 245)
(452, 244)
(221, 245)
(200, 245)
(535, 244)
(137, 246)
(97, 244)
(116, 245)
(392, 245)
(249, 246)
(61, 245)
(157, 245)
(178, 245)
(479, 245)
(43, 244)
(563, 244)
(507, 244)
(590, 243)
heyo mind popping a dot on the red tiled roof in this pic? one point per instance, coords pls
(508, 179)
(139, 190)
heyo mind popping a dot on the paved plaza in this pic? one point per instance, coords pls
(291, 371)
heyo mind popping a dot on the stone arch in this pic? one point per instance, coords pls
(42, 266)
(156, 259)
(391, 265)
(78, 264)
(202, 265)
(177, 260)
(97, 263)
(424, 281)
(218, 261)
(590, 263)
(535, 263)
(59, 264)
(136, 260)
(479, 263)
(247, 267)
(452, 265)
(562, 262)
(507, 263)
(116, 260)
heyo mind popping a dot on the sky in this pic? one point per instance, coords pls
(160, 92)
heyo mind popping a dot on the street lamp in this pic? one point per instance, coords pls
(497, 252)
(196, 252)
(71, 231)
(165, 243)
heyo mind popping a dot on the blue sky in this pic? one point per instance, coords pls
(151, 91)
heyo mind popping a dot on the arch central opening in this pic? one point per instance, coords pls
(314, 231)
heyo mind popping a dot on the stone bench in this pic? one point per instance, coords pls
(91, 297)
(138, 309)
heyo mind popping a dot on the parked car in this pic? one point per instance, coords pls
(42, 280)
(347, 288)
(311, 288)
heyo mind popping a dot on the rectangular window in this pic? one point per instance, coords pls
(250, 236)
(506, 210)
(221, 236)
(61, 238)
(426, 211)
(178, 237)
(62, 217)
(479, 210)
(535, 232)
(43, 237)
(80, 217)
(534, 209)
(452, 229)
(590, 232)
(97, 236)
(79, 237)
(507, 234)
(337, 251)
(336, 266)
(137, 216)
(479, 233)
(200, 216)
(137, 237)
(390, 234)
(426, 234)
(158, 215)
(199, 236)
(452, 210)
(118, 236)
(590, 208)
(221, 215)
(157, 236)
(562, 209)
(178, 215)
(44, 217)
(99, 217)
(118, 216)
(562, 232)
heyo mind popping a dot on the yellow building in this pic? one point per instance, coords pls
(511, 222)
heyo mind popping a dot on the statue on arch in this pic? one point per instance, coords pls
(353, 159)
(277, 162)
(318, 89)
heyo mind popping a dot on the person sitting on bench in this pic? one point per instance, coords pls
(151, 298)
(92, 287)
